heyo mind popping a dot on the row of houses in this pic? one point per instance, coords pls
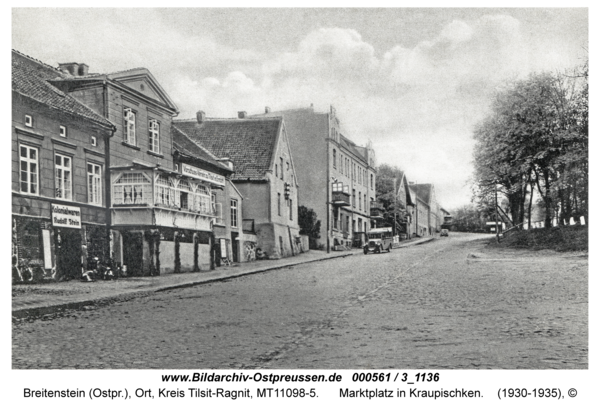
(417, 211)
(102, 170)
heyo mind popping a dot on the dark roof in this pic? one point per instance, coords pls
(187, 147)
(423, 191)
(351, 146)
(30, 78)
(248, 143)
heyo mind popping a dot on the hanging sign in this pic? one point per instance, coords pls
(66, 216)
(200, 174)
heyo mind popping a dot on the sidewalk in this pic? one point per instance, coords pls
(31, 300)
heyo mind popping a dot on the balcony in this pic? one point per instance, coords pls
(340, 199)
(377, 213)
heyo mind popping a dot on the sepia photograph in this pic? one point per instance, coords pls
(296, 189)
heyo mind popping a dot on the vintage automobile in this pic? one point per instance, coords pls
(379, 239)
(444, 233)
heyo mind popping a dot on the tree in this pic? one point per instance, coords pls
(386, 186)
(535, 141)
(309, 225)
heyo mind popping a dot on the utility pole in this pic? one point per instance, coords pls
(496, 208)
(395, 208)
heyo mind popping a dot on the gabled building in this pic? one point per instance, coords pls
(161, 216)
(264, 174)
(59, 164)
(426, 209)
(336, 176)
(406, 202)
(230, 241)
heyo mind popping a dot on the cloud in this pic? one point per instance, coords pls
(416, 103)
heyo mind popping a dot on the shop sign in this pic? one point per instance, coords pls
(66, 216)
(204, 175)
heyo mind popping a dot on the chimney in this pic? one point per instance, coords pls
(83, 69)
(242, 115)
(70, 68)
(200, 116)
(267, 109)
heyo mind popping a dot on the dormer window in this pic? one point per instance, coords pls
(129, 126)
(94, 141)
(63, 131)
(28, 121)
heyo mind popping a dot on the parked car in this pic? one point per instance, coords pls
(380, 239)
(444, 233)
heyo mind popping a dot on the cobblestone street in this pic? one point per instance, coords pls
(451, 303)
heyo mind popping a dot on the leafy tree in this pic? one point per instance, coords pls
(309, 225)
(535, 142)
(386, 186)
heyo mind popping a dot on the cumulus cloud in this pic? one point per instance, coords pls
(416, 103)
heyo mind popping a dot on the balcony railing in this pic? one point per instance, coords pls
(340, 198)
(377, 212)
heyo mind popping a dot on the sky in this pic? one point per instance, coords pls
(413, 82)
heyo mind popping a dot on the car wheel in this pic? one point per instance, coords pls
(378, 250)
(390, 248)
(365, 250)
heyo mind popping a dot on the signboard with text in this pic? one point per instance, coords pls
(66, 216)
(204, 175)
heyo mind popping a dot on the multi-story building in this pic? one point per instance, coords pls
(265, 175)
(161, 211)
(336, 177)
(231, 240)
(59, 151)
(426, 209)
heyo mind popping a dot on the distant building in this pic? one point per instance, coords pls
(264, 174)
(336, 176)
(426, 209)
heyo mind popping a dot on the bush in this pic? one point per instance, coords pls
(561, 239)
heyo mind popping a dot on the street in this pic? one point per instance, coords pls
(453, 303)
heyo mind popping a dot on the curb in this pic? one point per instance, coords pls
(39, 311)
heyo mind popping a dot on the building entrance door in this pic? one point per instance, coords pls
(68, 253)
(133, 252)
(235, 246)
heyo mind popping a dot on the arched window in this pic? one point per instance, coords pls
(334, 159)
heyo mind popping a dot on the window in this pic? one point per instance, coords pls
(94, 183)
(62, 179)
(334, 159)
(132, 188)
(185, 190)
(281, 162)
(278, 203)
(154, 136)
(291, 210)
(276, 171)
(129, 126)
(234, 213)
(164, 192)
(29, 170)
(365, 200)
(359, 201)
(28, 121)
(94, 141)
(371, 182)
(354, 198)
(63, 131)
